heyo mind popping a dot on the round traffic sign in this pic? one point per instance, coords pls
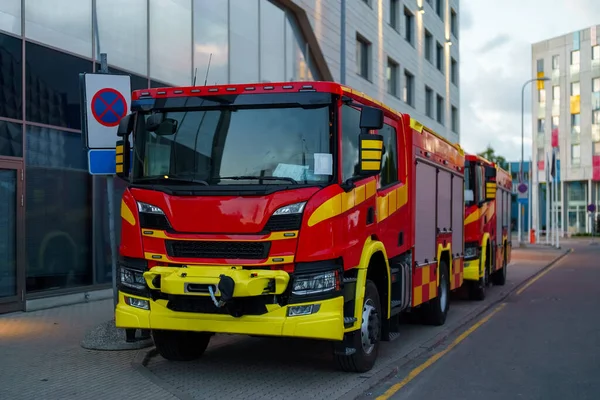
(591, 207)
(109, 107)
(522, 188)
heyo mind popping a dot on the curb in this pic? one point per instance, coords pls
(143, 357)
(388, 372)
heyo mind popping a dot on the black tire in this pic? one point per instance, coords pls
(436, 310)
(180, 345)
(365, 355)
(499, 277)
(477, 289)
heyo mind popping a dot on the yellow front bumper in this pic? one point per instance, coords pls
(471, 270)
(327, 323)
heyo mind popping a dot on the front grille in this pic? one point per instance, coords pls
(216, 249)
(278, 223)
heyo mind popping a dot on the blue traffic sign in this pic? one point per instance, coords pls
(109, 107)
(102, 161)
(523, 200)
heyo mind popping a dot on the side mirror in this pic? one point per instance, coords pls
(490, 173)
(122, 161)
(371, 153)
(125, 126)
(371, 118)
(160, 125)
(469, 195)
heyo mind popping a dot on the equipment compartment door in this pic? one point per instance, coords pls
(425, 229)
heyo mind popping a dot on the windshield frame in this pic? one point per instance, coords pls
(233, 102)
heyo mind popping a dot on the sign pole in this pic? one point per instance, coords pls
(110, 192)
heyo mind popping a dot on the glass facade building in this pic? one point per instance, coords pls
(54, 215)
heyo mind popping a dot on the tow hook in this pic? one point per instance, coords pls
(226, 286)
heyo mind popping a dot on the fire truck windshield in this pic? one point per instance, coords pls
(228, 145)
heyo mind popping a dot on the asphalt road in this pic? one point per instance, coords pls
(542, 343)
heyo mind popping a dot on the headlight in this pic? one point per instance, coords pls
(471, 250)
(315, 283)
(149, 208)
(133, 278)
(295, 208)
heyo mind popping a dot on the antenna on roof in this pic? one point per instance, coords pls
(195, 74)
(207, 69)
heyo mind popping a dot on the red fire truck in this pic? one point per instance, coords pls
(487, 224)
(303, 210)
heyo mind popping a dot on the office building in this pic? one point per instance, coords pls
(54, 214)
(566, 117)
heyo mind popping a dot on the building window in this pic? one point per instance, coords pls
(540, 65)
(428, 46)
(575, 57)
(596, 149)
(575, 88)
(540, 154)
(428, 102)
(439, 57)
(454, 119)
(363, 51)
(394, 14)
(439, 8)
(555, 121)
(555, 62)
(541, 125)
(596, 52)
(453, 23)
(575, 154)
(596, 117)
(596, 85)
(453, 71)
(575, 127)
(57, 165)
(408, 25)
(11, 77)
(556, 94)
(367, 2)
(409, 89)
(440, 109)
(392, 77)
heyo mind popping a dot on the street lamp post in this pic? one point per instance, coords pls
(521, 180)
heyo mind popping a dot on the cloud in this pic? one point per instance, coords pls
(495, 43)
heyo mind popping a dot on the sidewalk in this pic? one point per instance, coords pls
(42, 358)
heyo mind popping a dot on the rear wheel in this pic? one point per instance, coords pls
(180, 345)
(499, 277)
(365, 340)
(477, 289)
(436, 310)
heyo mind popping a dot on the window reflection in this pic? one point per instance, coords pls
(171, 41)
(64, 24)
(272, 42)
(58, 213)
(211, 37)
(297, 68)
(10, 16)
(122, 33)
(243, 26)
(11, 139)
(11, 77)
(52, 85)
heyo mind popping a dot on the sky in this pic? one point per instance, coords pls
(495, 61)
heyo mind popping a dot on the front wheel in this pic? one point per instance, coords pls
(436, 310)
(366, 340)
(180, 345)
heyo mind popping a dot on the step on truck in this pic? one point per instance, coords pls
(488, 243)
(302, 210)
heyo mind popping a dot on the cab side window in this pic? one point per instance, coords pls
(350, 145)
(480, 185)
(389, 165)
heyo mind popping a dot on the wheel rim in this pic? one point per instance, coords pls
(444, 292)
(369, 329)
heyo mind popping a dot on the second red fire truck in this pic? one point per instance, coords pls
(488, 243)
(284, 209)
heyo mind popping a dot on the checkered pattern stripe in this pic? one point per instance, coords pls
(424, 284)
(456, 281)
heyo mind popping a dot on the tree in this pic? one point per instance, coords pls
(490, 154)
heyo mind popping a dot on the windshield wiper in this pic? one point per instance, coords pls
(169, 179)
(265, 178)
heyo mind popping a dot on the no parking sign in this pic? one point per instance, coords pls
(106, 100)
